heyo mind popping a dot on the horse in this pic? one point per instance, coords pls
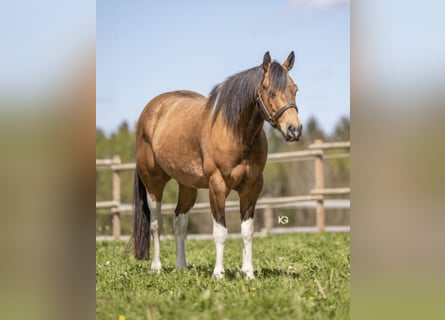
(216, 143)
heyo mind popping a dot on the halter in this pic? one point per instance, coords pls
(273, 119)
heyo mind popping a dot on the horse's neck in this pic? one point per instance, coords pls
(250, 125)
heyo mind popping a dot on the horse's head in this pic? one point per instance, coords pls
(276, 97)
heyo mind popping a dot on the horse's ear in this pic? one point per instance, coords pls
(266, 61)
(289, 63)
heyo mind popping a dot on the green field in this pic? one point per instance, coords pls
(298, 276)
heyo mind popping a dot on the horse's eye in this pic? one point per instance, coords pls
(272, 94)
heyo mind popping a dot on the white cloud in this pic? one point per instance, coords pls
(319, 5)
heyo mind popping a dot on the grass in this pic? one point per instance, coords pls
(287, 269)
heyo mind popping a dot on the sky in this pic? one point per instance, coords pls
(145, 48)
(41, 41)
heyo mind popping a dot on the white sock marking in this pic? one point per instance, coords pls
(156, 229)
(219, 237)
(180, 223)
(247, 235)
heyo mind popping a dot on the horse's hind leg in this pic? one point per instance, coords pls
(156, 230)
(186, 200)
(155, 180)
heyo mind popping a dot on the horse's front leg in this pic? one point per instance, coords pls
(218, 192)
(248, 198)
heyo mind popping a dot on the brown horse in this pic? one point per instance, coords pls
(216, 143)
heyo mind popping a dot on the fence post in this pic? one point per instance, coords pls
(268, 220)
(319, 184)
(117, 198)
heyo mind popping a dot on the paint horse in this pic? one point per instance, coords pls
(217, 143)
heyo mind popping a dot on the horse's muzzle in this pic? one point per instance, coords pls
(293, 133)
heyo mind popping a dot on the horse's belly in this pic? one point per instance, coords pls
(185, 170)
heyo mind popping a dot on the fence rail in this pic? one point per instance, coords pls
(317, 194)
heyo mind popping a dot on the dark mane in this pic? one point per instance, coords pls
(239, 91)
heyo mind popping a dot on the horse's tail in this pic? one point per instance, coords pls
(141, 224)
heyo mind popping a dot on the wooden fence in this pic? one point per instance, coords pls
(315, 152)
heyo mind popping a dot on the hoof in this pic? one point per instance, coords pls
(181, 266)
(248, 275)
(218, 275)
(156, 267)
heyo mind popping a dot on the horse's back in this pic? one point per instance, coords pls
(171, 129)
(168, 109)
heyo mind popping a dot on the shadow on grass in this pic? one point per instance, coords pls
(274, 273)
(205, 271)
(236, 274)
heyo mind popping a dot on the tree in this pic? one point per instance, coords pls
(312, 130)
(342, 129)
